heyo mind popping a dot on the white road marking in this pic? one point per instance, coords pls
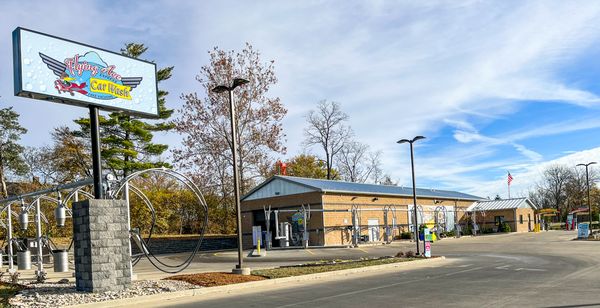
(531, 269)
(465, 265)
(503, 267)
(303, 303)
(464, 271)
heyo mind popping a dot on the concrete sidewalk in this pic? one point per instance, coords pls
(158, 300)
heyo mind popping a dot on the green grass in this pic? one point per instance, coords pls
(8, 290)
(289, 271)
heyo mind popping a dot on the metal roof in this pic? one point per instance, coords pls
(503, 204)
(360, 188)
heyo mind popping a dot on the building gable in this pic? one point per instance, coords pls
(278, 187)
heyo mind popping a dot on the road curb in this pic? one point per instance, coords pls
(253, 284)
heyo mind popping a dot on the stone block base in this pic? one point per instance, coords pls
(101, 242)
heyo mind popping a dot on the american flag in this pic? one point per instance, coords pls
(510, 178)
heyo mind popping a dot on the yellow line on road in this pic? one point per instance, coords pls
(362, 250)
(308, 250)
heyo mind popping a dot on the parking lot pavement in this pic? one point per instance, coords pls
(546, 269)
(225, 260)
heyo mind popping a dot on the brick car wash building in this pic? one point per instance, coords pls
(518, 213)
(312, 212)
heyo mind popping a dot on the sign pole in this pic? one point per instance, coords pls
(96, 161)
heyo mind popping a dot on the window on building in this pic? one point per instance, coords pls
(498, 220)
(521, 219)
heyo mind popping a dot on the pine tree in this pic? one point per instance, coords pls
(10, 150)
(126, 140)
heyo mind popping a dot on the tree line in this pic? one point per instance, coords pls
(564, 188)
(205, 153)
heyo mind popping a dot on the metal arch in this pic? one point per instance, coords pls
(420, 210)
(42, 197)
(198, 194)
(146, 201)
(389, 231)
(441, 209)
(76, 191)
(9, 204)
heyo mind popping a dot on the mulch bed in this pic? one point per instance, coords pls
(215, 279)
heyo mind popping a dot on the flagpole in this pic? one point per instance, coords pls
(508, 180)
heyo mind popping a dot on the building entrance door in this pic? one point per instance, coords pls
(373, 230)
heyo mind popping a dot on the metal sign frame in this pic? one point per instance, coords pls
(18, 78)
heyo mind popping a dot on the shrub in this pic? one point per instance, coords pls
(400, 254)
(487, 230)
(410, 254)
(405, 235)
(505, 227)
(450, 233)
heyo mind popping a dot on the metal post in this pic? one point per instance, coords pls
(354, 227)
(96, 161)
(305, 223)
(268, 223)
(387, 227)
(236, 188)
(412, 165)
(126, 195)
(10, 239)
(587, 181)
(38, 234)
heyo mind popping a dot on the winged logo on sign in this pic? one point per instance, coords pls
(89, 75)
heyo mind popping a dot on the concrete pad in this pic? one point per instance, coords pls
(255, 253)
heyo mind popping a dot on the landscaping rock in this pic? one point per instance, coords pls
(64, 294)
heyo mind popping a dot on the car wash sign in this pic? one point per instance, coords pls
(63, 71)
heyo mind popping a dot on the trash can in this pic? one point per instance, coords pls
(61, 260)
(24, 260)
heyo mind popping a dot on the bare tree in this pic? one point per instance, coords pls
(563, 188)
(358, 164)
(327, 129)
(41, 164)
(555, 181)
(205, 123)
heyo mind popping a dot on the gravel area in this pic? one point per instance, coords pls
(64, 294)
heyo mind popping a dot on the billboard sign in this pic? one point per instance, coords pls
(67, 72)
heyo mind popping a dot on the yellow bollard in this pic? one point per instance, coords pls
(258, 245)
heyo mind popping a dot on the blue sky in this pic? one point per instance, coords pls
(495, 86)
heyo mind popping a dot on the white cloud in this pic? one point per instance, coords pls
(399, 69)
(528, 175)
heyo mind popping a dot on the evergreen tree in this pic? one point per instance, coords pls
(127, 141)
(11, 158)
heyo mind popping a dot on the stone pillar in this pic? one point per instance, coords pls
(101, 241)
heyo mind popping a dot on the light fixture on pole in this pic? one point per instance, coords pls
(412, 164)
(239, 269)
(587, 181)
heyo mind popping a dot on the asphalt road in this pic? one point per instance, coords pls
(517, 270)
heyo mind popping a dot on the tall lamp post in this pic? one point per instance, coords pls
(587, 181)
(412, 165)
(239, 269)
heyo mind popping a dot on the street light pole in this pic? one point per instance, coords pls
(239, 269)
(414, 187)
(587, 181)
